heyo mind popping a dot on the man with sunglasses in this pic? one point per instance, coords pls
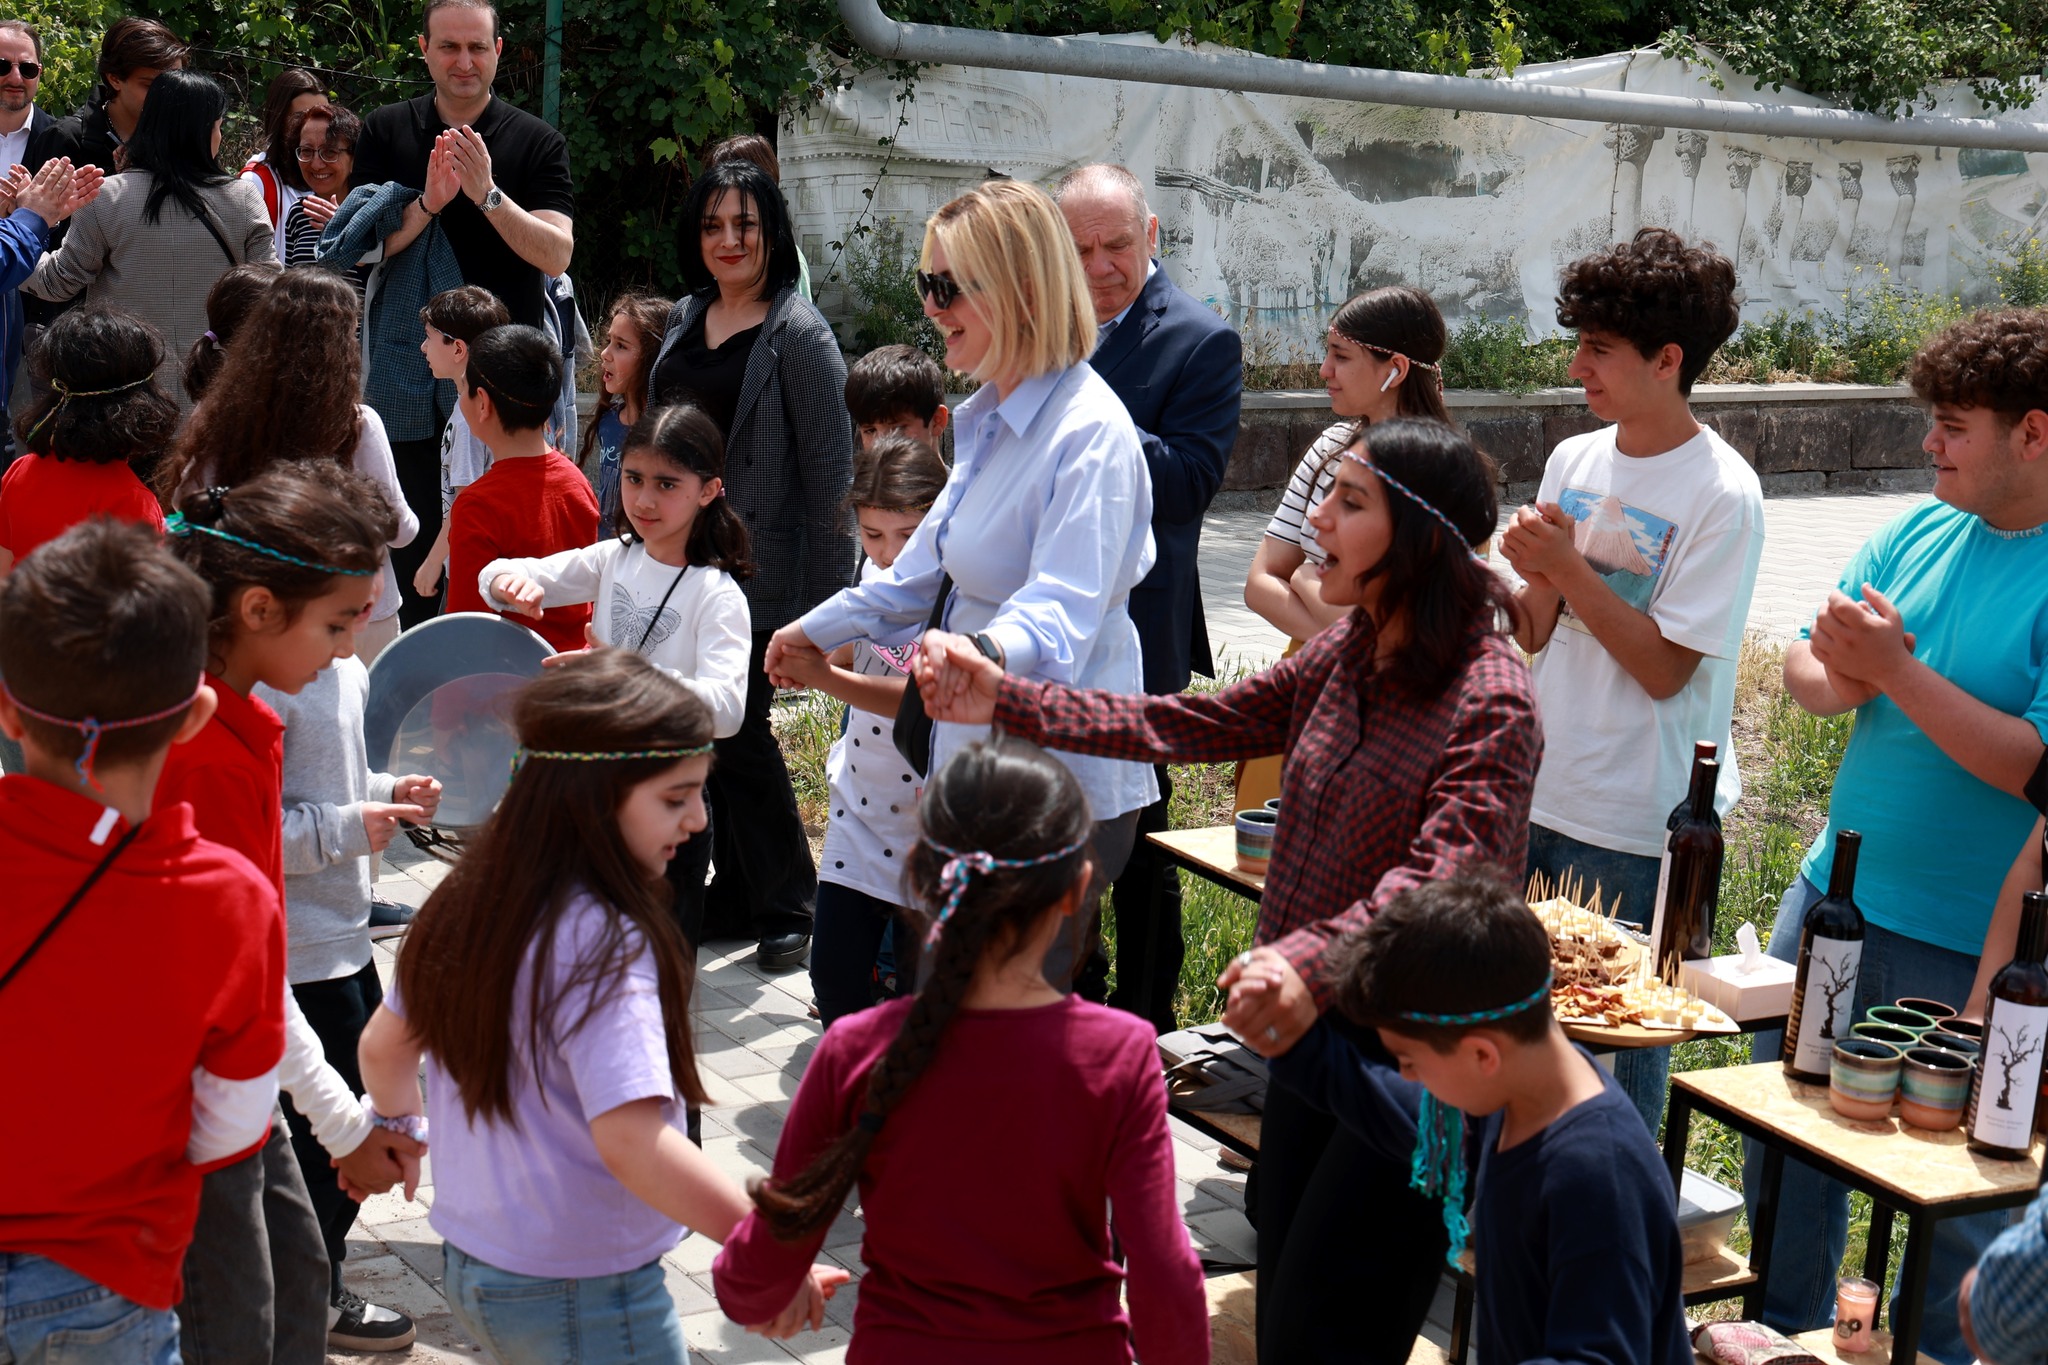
(1178, 367)
(29, 136)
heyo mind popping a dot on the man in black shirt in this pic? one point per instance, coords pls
(497, 181)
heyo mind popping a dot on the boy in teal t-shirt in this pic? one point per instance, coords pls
(1937, 639)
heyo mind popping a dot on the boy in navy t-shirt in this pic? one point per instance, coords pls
(1574, 1224)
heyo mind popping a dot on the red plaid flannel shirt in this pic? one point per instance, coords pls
(1381, 790)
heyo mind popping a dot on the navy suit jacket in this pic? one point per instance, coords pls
(1179, 369)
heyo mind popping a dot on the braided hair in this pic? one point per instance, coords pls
(1002, 797)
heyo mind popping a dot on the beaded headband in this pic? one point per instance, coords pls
(523, 753)
(1529, 1001)
(176, 524)
(1388, 353)
(92, 727)
(66, 394)
(961, 868)
(1425, 504)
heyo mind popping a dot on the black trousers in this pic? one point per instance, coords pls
(419, 478)
(764, 882)
(686, 874)
(1146, 902)
(850, 925)
(338, 1010)
(1349, 1256)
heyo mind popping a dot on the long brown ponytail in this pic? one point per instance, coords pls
(1006, 798)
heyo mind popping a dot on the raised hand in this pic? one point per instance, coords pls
(472, 161)
(48, 194)
(518, 594)
(444, 182)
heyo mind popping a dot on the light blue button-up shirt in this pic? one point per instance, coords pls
(1045, 527)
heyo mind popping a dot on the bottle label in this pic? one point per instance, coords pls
(1657, 919)
(2010, 1085)
(1828, 1001)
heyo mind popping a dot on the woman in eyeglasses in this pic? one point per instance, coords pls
(323, 143)
(1045, 525)
(750, 351)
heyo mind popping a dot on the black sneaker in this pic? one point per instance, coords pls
(389, 917)
(355, 1325)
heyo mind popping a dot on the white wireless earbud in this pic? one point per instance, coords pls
(1388, 382)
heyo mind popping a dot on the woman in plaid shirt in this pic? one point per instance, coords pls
(1412, 743)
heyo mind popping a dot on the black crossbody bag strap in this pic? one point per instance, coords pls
(91, 878)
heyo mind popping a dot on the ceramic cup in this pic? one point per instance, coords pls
(1886, 1033)
(1964, 1028)
(1913, 1021)
(1934, 1087)
(1255, 839)
(1863, 1079)
(1273, 805)
(1933, 1009)
(1952, 1042)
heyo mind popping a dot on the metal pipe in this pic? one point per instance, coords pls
(551, 68)
(894, 40)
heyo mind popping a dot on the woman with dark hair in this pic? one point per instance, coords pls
(290, 387)
(1412, 742)
(761, 152)
(133, 54)
(323, 147)
(158, 237)
(274, 170)
(763, 363)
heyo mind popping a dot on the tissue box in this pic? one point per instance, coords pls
(1762, 994)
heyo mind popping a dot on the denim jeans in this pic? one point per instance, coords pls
(1813, 1211)
(52, 1315)
(526, 1320)
(1643, 1073)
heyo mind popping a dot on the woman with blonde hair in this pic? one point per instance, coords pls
(1043, 529)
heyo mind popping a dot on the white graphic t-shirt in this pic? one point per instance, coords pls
(1677, 536)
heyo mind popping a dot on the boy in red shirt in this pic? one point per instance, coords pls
(145, 963)
(534, 501)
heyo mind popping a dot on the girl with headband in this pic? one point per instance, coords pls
(1411, 740)
(547, 987)
(1006, 1138)
(1572, 1218)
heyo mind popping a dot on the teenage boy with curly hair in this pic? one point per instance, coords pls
(1638, 559)
(1935, 638)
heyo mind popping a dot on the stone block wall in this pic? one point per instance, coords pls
(1801, 438)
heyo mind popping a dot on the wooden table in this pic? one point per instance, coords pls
(1210, 853)
(1927, 1176)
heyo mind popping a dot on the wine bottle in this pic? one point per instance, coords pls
(2007, 1088)
(1689, 884)
(1830, 955)
(1702, 749)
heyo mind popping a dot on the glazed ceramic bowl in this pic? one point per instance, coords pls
(1886, 1033)
(1863, 1079)
(1952, 1042)
(1934, 1088)
(1933, 1009)
(1255, 839)
(1913, 1021)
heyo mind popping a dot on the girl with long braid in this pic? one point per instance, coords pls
(989, 1069)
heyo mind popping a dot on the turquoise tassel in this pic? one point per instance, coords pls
(1438, 1169)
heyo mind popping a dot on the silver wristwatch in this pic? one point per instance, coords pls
(492, 198)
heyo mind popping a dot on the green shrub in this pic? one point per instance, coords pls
(2022, 273)
(1881, 325)
(885, 308)
(1492, 353)
(1784, 346)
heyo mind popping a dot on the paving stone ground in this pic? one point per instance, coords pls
(754, 1035)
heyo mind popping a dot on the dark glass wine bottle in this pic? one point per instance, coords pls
(1689, 885)
(1830, 956)
(1702, 749)
(2007, 1088)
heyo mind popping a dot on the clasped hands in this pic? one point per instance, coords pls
(1863, 646)
(957, 681)
(1539, 543)
(459, 163)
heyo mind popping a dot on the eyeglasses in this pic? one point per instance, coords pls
(29, 70)
(326, 156)
(940, 287)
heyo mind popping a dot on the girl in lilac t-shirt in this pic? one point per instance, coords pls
(545, 984)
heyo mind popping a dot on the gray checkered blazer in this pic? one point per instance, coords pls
(159, 271)
(789, 458)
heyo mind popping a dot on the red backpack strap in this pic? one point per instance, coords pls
(272, 194)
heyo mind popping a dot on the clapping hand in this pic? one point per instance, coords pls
(58, 190)
(11, 186)
(1538, 542)
(471, 160)
(444, 182)
(958, 682)
(1861, 645)
(318, 209)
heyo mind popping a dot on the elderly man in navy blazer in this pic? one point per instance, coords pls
(1178, 367)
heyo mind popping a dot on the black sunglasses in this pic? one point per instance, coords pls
(29, 70)
(940, 287)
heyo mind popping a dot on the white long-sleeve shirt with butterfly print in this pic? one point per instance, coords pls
(692, 623)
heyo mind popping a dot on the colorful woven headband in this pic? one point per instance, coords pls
(1388, 353)
(92, 727)
(65, 395)
(176, 524)
(1529, 1001)
(961, 868)
(521, 754)
(1352, 454)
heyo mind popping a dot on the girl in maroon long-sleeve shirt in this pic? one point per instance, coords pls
(1412, 743)
(997, 1129)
